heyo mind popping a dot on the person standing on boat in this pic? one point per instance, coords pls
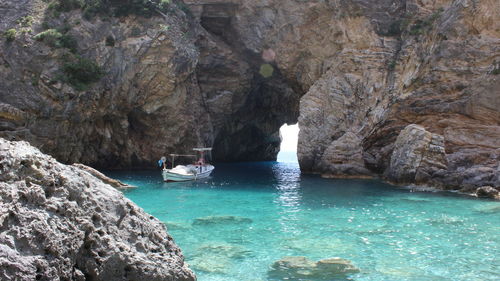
(162, 163)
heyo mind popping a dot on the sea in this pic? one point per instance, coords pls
(238, 223)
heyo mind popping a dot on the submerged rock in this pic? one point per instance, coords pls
(301, 268)
(221, 220)
(177, 225)
(316, 244)
(488, 209)
(59, 222)
(447, 219)
(217, 257)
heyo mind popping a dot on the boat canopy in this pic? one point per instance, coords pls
(203, 149)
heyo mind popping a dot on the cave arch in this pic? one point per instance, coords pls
(246, 95)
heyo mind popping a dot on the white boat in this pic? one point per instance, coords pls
(196, 171)
(187, 173)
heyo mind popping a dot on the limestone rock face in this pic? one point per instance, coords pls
(229, 73)
(369, 69)
(147, 103)
(377, 86)
(375, 77)
(60, 222)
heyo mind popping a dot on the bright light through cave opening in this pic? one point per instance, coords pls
(289, 139)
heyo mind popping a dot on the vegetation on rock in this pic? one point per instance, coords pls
(26, 21)
(50, 37)
(117, 8)
(110, 41)
(422, 25)
(69, 42)
(10, 35)
(496, 69)
(81, 72)
(411, 25)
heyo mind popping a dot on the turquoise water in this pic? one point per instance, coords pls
(234, 225)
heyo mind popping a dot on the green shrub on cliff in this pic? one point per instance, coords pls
(10, 35)
(91, 8)
(58, 38)
(184, 7)
(26, 21)
(110, 41)
(81, 72)
(496, 69)
(164, 4)
(69, 42)
(66, 5)
(50, 37)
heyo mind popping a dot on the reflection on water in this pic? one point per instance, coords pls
(236, 224)
(288, 197)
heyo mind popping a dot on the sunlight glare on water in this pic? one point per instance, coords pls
(236, 224)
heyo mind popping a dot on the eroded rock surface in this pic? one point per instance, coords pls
(146, 104)
(368, 69)
(60, 222)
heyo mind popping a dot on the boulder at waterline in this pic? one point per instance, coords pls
(60, 222)
(418, 155)
(488, 192)
(301, 268)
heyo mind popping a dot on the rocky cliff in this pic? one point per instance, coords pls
(59, 222)
(229, 73)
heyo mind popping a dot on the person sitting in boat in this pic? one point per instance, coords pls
(200, 162)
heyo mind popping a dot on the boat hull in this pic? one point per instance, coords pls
(169, 176)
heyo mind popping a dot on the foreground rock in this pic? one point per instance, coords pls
(60, 222)
(301, 268)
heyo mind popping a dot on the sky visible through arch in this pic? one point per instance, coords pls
(290, 137)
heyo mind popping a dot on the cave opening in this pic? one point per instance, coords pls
(247, 96)
(288, 148)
